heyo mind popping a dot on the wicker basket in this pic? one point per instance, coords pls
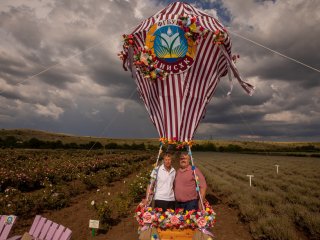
(175, 234)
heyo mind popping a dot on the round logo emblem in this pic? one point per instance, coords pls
(174, 52)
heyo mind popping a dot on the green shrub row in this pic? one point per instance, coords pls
(35, 143)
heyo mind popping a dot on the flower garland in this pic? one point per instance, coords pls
(128, 41)
(174, 141)
(192, 28)
(219, 37)
(144, 60)
(148, 217)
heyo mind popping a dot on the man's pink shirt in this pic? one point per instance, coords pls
(185, 184)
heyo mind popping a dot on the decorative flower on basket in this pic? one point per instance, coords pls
(174, 142)
(219, 36)
(169, 219)
(144, 60)
(192, 28)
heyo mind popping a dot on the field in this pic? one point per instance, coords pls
(59, 183)
(277, 206)
(44, 181)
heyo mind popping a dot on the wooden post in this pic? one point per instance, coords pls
(250, 176)
(277, 166)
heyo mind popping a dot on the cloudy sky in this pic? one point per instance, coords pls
(59, 69)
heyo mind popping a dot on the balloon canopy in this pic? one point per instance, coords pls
(177, 58)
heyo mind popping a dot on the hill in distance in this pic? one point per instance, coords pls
(27, 134)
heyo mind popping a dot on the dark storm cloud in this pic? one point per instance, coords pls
(58, 78)
(288, 27)
(108, 72)
(228, 117)
(10, 61)
(238, 95)
(88, 87)
(284, 105)
(11, 67)
(22, 26)
(12, 96)
(272, 131)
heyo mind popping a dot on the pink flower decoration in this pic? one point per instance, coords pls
(174, 220)
(147, 217)
(201, 221)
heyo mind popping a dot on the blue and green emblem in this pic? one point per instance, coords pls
(174, 52)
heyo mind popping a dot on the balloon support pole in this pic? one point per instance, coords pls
(195, 176)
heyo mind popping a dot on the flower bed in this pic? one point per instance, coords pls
(170, 219)
(32, 181)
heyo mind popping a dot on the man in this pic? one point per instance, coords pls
(164, 176)
(185, 191)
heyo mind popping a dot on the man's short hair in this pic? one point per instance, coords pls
(168, 154)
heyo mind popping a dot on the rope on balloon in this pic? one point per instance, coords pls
(115, 116)
(102, 42)
(274, 51)
(57, 64)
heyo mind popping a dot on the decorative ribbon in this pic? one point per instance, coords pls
(125, 57)
(231, 81)
(246, 86)
(145, 228)
(130, 62)
(205, 231)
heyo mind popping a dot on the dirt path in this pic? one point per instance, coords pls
(228, 226)
(76, 217)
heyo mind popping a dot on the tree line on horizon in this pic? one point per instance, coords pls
(35, 143)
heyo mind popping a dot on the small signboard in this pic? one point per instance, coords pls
(94, 224)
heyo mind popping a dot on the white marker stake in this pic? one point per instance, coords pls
(250, 176)
(93, 224)
(277, 166)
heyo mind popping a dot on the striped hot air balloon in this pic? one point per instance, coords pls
(177, 57)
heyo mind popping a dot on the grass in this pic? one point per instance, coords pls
(278, 206)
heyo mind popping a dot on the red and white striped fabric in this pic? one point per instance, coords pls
(177, 104)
